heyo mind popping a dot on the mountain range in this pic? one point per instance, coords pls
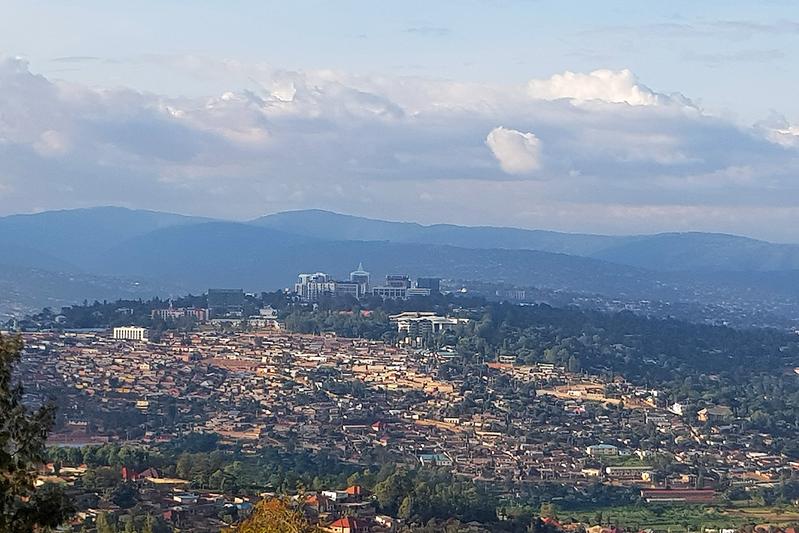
(663, 251)
(57, 257)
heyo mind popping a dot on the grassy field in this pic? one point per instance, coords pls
(678, 518)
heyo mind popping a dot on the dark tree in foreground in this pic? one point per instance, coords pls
(23, 507)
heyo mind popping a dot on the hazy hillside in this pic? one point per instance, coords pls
(335, 226)
(27, 289)
(74, 235)
(90, 253)
(229, 254)
(702, 252)
(253, 257)
(666, 252)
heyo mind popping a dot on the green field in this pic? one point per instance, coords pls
(679, 518)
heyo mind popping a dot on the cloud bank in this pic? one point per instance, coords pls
(602, 85)
(598, 151)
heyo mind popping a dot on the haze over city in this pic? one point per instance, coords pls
(587, 117)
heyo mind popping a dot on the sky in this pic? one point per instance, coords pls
(585, 116)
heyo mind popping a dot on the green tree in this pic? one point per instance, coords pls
(23, 434)
(149, 524)
(275, 516)
(104, 524)
(406, 508)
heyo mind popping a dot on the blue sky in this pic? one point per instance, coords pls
(734, 56)
(691, 122)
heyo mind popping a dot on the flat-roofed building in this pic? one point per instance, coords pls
(629, 472)
(422, 323)
(225, 302)
(705, 496)
(433, 284)
(130, 333)
(310, 287)
(599, 450)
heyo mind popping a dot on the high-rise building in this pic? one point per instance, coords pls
(310, 287)
(395, 288)
(348, 288)
(361, 277)
(434, 284)
(225, 302)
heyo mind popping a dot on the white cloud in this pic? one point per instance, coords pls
(341, 141)
(516, 152)
(605, 85)
(778, 130)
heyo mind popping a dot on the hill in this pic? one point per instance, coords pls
(691, 251)
(335, 226)
(26, 289)
(95, 250)
(232, 254)
(241, 254)
(75, 235)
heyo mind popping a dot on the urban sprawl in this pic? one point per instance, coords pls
(255, 385)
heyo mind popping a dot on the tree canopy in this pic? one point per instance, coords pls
(275, 515)
(23, 434)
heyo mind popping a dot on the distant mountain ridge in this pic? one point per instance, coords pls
(72, 234)
(687, 251)
(335, 226)
(139, 251)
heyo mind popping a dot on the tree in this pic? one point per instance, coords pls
(275, 516)
(129, 526)
(103, 524)
(149, 524)
(23, 434)
(406, 508)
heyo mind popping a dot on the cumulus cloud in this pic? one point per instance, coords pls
(605, 85)
(778, 130)
(516, 152)
(358, 143)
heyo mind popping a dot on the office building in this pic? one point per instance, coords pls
(348, 288)
(416, 291)
(432, 284)
(398, 281)
(310, 287)
(419, 324)
(130, 333)
(390, 293)
(225, 303)
(395, 288)
(362, 278)
(175, 313)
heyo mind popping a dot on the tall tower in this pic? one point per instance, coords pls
(361, 277)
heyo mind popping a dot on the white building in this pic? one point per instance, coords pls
(677, 408)
(361, 277)
(599, 450)
(130, 333)
(310, 287)
(422, 323)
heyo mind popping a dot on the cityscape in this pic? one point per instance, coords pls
(399, 267)
(249, 379)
